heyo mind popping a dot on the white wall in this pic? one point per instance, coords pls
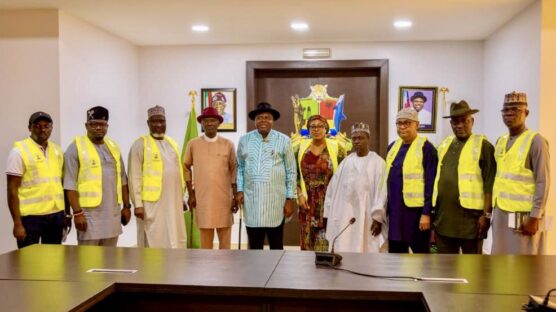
(98, 68)
(168, 73)
(512, 62)
(28, 83)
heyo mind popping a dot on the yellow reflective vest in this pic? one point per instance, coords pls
(89, 179)
(151, 187)
(332, 148)
(41, 190)
(470, 178)
(413, 188)
(514, 185)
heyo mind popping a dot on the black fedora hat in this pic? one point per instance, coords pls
(459, 109)
(417, 95)
(264, 107)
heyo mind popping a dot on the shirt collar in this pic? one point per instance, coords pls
(40, 146)
(270, 134)
(206, 138)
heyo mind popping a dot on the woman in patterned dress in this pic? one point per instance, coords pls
(317, 160)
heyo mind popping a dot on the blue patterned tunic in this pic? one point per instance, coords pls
(266, 174)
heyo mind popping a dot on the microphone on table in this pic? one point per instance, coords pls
(538, 304)
(331, 258)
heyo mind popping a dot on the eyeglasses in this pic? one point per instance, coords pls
(404, 123)
(317, 127)
(97, 124)
(512, 110)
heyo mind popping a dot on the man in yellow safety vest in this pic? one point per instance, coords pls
(156, 184)
(35, 193)
(462, 194)
(96, 183)
(411, 168)
(521, 184)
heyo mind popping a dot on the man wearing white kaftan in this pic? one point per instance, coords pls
(160, 222)
(358, 190)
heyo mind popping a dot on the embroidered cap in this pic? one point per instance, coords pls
(360, 127)
(408, 113)
(515, 98)
(97, 113)
(156, 111)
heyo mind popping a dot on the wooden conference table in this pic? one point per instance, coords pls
(55, 278)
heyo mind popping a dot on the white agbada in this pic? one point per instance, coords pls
(164, 225)
(357, 189)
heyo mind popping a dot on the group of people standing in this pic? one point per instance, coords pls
(451, 189)
(448, 195)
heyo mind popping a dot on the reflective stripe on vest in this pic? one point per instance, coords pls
(332, 148)
(412, 170)
(89, 179)
(470, 179)
(153, 167)
(514, 185)
(41, 190)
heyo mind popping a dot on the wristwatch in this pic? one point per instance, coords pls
(127, 206)
(488, 215)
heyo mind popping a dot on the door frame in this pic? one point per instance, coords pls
(379, 65)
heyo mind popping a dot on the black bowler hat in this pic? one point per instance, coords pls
(264, 107)
(418, 94)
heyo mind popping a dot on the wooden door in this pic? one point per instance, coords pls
(364, 84)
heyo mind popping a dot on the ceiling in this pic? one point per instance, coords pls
(168, 22)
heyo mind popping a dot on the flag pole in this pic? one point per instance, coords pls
(190, 133)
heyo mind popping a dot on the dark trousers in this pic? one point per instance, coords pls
(449, 245)
(417, 246)
(275, 236)
(47, 229)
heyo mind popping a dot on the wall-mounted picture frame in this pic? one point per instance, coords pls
(424, 101)
(225, 102)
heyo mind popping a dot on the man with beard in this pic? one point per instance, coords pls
(96, 183)
(463, 186)
(521, 184)
(156, 184)
(35, 192)
(358, 190)
(266, 179)
(210, 171)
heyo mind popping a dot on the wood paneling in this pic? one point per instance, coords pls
(364, 83)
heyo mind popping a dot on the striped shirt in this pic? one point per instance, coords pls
(266, 174)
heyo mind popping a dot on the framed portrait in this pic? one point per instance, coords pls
(424, 101)
(224, 100)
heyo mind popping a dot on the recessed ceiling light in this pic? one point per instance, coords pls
(299, 26)
(200, 28)
(403, 24)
